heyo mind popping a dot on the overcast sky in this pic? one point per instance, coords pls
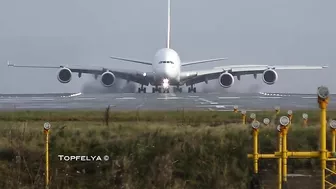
(86, 32)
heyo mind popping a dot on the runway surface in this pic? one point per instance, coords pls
(163, 101)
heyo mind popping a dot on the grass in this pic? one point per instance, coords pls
(146, 149)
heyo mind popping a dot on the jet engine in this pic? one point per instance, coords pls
(226, 80)
(64, 75)
(269, 77)
(107, 79)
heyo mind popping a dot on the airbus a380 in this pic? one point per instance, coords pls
(167, 71)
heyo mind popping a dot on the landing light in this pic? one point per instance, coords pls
(252, 115)
(243, 112)
(144, 74)
(165, 83)
(290, 112)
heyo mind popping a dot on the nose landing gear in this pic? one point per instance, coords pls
(142, 89)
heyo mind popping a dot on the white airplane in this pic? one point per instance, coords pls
(166, 71)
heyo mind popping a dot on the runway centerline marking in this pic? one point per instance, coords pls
(208, 101)
(125, 98)
(228, 97)
(169, 98)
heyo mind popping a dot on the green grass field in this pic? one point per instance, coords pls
(177, 149)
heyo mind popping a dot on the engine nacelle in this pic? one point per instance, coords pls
(64, 75)
(270, 77)
(226, 80)
(107, 79)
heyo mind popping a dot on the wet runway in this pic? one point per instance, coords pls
(163, 101)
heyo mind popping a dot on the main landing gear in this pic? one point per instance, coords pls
(156, 89)
(142, 89)
(191, 89)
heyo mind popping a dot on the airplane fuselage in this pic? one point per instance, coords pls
(166, 65)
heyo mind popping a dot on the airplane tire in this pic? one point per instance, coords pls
(139, 90)
(144, 90)
(194, 90)
(153, 90)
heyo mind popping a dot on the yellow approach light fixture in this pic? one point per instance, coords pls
(305, 116)
(255, 124)
(46, 126)
(332, 124)
(266, 121)
(284, 120)
(323, 92)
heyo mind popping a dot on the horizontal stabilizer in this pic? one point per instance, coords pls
(202, 61)
(130, 60)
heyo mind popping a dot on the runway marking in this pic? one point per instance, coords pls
(169, 98)
(228, 97)
(208, 101)
(140, 105)
(76, 94)
(215, 106)
(193, 96)
(85, 98)
(308, 97)
(220, 106)
(210, 109)
(125, 98)
(269, 97)
(42, 99)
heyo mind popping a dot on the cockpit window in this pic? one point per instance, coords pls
(166, 62)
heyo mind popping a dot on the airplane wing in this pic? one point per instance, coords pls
(131, 60)
(128, 75)
(202, 61)
(194, 77)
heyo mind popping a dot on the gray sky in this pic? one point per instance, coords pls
(85, 32)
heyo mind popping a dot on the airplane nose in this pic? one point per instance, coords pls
(169, 72)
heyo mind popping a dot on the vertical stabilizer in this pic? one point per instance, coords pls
(168, 28)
